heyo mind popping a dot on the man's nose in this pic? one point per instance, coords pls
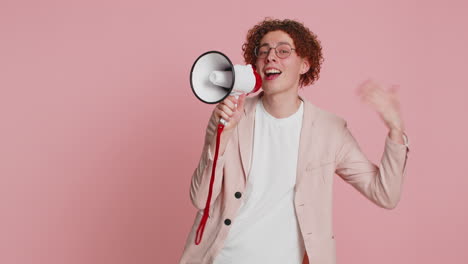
(271, 56)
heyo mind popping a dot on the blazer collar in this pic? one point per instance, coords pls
(245, 131)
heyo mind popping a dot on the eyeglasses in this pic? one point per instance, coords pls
(282, 51)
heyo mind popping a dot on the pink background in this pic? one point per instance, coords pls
(100, 132)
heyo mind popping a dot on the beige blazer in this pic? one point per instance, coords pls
(326, 148)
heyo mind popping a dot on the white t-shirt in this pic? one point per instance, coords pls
(266, 228)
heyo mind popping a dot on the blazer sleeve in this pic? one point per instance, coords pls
(383, 184)
(201, 177)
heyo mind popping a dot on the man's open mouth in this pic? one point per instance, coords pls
(271, 74)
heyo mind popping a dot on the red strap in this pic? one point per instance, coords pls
(206, 212)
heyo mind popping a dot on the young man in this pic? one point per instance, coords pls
(272, 197)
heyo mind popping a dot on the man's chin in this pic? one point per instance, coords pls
(270, 88)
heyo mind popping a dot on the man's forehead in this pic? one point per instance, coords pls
(276, 37)
(271, 43)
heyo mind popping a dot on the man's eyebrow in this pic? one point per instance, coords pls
(279, 43)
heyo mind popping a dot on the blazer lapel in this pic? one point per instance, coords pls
(245, 130)
(307, 138)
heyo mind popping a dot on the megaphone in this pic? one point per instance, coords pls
(213, 78)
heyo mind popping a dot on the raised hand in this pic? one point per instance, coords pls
(385, 102)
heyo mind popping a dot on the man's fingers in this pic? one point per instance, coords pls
(223, 115)
(226, 109)
(366, 84)
(230, 102)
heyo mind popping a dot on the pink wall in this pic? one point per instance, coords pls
(100, 132)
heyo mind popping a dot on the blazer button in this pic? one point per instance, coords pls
(238, 195)
(227, 221)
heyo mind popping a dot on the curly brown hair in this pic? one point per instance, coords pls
(306, 42)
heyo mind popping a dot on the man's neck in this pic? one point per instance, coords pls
(281, 105)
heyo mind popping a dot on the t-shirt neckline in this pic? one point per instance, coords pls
(283, 120)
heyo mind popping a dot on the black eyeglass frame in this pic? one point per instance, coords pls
(269, 49)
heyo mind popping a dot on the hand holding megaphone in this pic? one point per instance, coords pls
(230, 110)
(227, 110)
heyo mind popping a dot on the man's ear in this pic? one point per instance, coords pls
(305, 66)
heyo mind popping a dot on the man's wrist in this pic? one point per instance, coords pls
(397, 135)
